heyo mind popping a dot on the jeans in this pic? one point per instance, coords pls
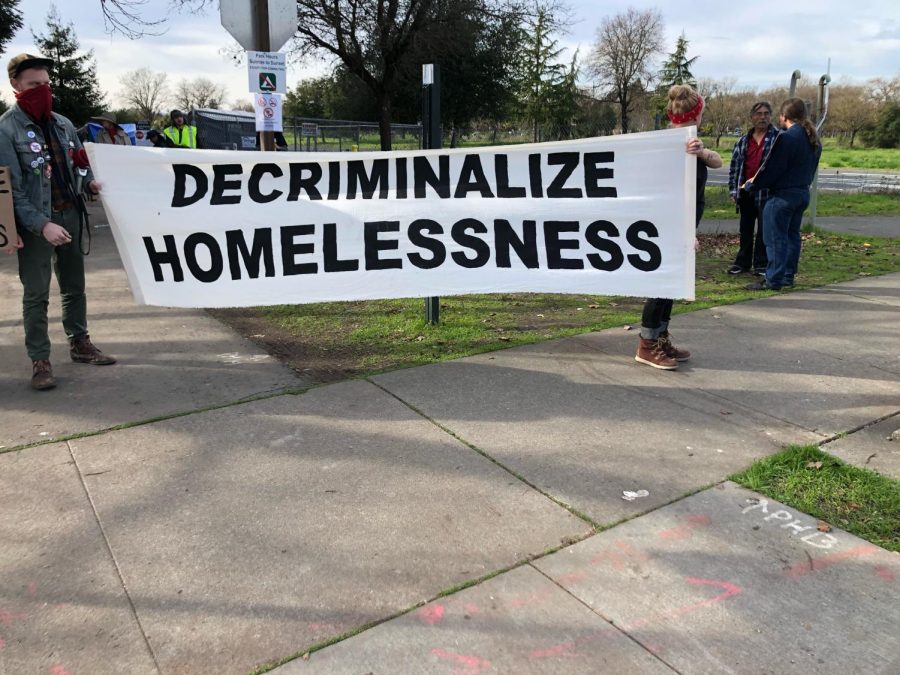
(752, 251)
(782, 217)
(35, 261)
(655, 317)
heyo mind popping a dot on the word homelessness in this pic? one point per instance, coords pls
(423, 243)
(555, 175)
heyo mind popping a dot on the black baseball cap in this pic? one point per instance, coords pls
(23, 61)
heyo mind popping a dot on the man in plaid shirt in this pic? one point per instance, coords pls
(748, 155)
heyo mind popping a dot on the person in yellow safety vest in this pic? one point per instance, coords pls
(182, 135)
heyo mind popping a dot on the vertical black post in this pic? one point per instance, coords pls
(263, 44)
(431, 140)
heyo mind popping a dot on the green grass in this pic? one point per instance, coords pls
(834, 156)
(346, 339)
(859, 501)
(719, 206)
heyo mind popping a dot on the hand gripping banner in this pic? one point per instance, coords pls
(218, 228)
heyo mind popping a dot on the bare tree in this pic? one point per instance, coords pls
(725, 109)
(884, 90)
(145, 91)
(621, 57)
(201, 92)
(124, 16)
(851, 110)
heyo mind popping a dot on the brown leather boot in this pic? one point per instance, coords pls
(42, 375)
(82, 350)
(653, 353)
(671, 350)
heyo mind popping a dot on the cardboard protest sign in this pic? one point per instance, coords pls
(7, 217)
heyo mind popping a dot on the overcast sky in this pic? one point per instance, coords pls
(758, 43)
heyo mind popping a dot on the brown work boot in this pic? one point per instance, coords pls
(671, 350)
(42, 375)
(653, 353)
(82, 350)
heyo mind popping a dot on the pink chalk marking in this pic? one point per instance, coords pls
(568, 648)
(32, 588)
(618, 559)
(686, 529)
(57, 669)
(572, 578)
(802, 568)
(470, 664)
(471, 608)
(431, 614)
(8, 617)
(885, 573)
(530, 599)
(2, 644)
(730, 590)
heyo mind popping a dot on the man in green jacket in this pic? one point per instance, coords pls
(42, 151)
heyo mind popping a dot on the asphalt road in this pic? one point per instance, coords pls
(834, 179)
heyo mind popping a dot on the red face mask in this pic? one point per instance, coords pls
(36, 102)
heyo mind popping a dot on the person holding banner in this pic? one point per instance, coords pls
(787, 172)
(655, 348)
(41, 150)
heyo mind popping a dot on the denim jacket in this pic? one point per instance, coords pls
(24, 151)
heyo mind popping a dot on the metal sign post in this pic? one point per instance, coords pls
(260, 26)
(431, 140)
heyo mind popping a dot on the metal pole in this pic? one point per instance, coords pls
(794, 77)
(263, 44)
(431, 140)
(819, 114)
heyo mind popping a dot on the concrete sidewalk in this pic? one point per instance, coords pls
(197, 508)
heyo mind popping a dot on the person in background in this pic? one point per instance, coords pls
(42, 151)
(181, 134)
(655, 348)
(158, 140)
(111, 132)
(787, 173)
(746, 158)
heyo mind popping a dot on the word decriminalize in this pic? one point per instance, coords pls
(426, 244)
(553, 175)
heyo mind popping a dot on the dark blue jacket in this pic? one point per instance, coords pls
(791, 163)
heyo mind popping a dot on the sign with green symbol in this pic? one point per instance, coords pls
(267, 71)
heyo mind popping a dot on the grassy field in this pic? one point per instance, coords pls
(718, 203)
(834, 156)
(862, 502)
(339, 340)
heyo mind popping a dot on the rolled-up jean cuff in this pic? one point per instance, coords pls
(651, 333)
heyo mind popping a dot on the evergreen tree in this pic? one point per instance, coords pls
(677, 68)
(540, 75)
(73, 77)
(10, 21)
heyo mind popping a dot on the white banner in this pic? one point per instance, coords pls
(217, 228)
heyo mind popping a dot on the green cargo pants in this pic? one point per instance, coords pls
(35, 260)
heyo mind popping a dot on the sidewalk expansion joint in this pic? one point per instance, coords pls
(859, 427)
(575, 512)
(112, 558)
(159, 418)
(612, 624)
